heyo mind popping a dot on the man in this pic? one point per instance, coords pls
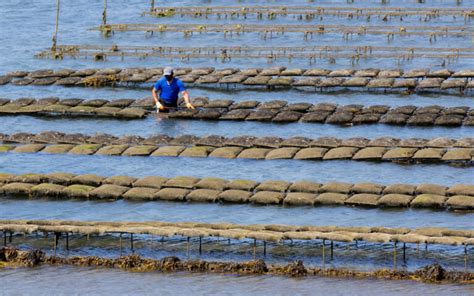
(169, 88)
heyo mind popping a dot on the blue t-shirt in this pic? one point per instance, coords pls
(169, 92)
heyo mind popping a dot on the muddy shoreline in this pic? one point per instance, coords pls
(11, 257)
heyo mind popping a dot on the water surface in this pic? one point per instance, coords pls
(93, 281)
(27, 28)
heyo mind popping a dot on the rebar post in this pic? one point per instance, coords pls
(324, 253)
(200, 245)
(395, 256)
(404, 252)
(67, 241)
(104, 14)
(121, 244)
(332, 250)
(55, 37)
(56, 241)
(254, 249)
(187, 247)
(465, 258)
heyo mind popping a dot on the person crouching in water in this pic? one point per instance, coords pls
(169, 88)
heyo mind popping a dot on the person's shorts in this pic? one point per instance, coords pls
(168, 105)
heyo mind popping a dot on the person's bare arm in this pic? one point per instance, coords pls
(155, 98)
(186, 100)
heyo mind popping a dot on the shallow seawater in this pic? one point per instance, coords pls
(73, 30)
(104, 282)
(246, 214)
(27, 29)
(158, 125)
(340, 97)
(260, 170)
